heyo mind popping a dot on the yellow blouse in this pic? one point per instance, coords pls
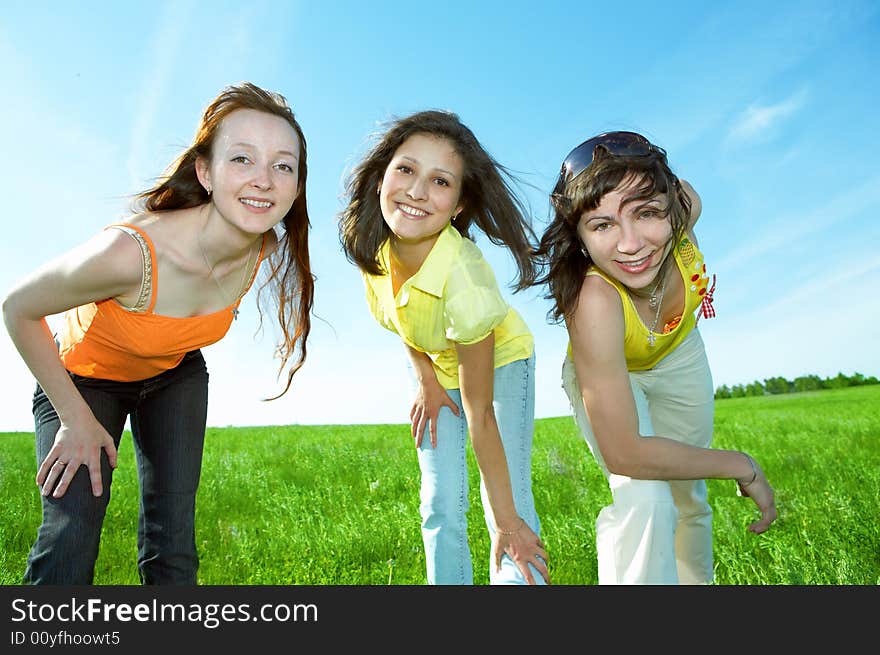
(453, 298)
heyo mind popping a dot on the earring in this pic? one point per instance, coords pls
(208, 189)
(454, 216)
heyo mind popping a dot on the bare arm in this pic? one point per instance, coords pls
(108, 265)
(476, 375)
(429, 399)
(596, 331)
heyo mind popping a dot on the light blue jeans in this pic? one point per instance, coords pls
(444, 486)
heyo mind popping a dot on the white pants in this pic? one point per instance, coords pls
(657, 531)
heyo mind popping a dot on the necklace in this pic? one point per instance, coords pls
(652, 301)
(655, 302)
(247, 267)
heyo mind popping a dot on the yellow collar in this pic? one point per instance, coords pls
(431, 276)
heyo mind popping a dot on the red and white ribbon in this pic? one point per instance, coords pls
(706, 308)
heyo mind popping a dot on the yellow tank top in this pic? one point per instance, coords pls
(640, 354)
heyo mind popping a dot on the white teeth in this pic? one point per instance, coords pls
(263, 204)
(412, 211)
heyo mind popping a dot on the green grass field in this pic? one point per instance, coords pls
(338, 505)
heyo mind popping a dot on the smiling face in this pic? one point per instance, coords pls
(420, 190)
(253, 169)
(627, 240)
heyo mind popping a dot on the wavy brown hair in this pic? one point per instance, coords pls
(487, 195)
(560, 252)
(290, 280)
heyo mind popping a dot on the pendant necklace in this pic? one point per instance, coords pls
(656, 303)
(214, 277)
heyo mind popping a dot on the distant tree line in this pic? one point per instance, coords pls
(802, 383)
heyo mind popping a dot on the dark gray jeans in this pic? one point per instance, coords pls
(168, 414)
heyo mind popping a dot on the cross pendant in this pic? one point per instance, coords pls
(235, 313)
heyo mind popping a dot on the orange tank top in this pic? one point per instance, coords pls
(107, 340)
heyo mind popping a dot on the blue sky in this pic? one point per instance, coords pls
(769, 110)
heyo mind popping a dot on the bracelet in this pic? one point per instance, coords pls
(754, 472)
(514, 531)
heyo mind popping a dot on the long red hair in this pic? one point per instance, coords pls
(290, 281)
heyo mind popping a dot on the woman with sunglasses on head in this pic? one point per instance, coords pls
(141, 298)
(411, 203)
(625, 274)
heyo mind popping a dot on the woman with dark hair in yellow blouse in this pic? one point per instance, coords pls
(411, 202)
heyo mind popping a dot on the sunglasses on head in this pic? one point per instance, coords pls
(619, 144)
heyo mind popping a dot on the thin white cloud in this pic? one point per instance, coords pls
(162, 64)
(810, 330)
(780, 235)
(861, 274)
(757, 119)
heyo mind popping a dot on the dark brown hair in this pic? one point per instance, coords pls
(290, 278)
(560, 251)
(487, 196)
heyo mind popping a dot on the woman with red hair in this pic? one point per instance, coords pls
(140, 299)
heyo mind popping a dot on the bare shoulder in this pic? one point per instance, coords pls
(107, 265)
(596, 326)
(141, 221)
(597, 299)
(596, 329)
(115, 253)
